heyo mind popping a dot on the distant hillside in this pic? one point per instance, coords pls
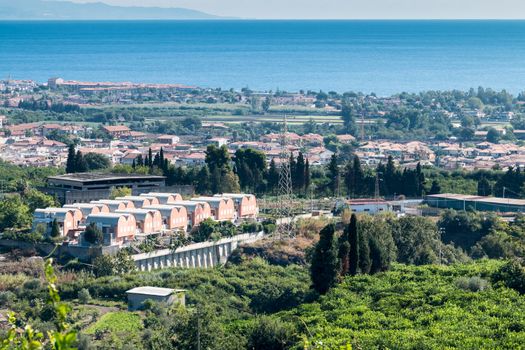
(38, 9)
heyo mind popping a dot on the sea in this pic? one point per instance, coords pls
(384, 57)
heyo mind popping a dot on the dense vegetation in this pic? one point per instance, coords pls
(394, 291)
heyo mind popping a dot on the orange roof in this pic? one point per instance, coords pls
(115, 128)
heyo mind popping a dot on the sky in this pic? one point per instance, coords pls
(344, 9)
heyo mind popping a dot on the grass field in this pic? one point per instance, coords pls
(116, 322)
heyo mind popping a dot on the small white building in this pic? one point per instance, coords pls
(137, 296)
(367, 206)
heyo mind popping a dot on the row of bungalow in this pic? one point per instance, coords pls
(125, 218)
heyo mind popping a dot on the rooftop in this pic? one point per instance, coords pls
(154, 291)
(87, 177)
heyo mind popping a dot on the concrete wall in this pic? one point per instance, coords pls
(198, 255)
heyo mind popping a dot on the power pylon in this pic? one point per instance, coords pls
(285, 199)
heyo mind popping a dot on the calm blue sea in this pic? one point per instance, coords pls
(370, 56)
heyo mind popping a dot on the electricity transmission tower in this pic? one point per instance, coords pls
(285, 200)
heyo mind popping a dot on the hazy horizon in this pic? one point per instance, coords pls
(342, 9)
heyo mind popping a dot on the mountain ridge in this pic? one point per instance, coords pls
(66, 10)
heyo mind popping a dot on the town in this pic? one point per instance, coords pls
(160, 206)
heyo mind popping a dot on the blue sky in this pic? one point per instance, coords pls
(337, 9)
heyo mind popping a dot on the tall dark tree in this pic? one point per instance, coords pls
(420, 178)
(364, 252)
(435, 188)
(348, 116)
(344, 250)
(299, 173)
(391, 178)
(484, 187)
(217, 157)
(307, 176)
(273, 176)
(353, 238)
(250, 166)
(80, 163)
(377, 256)
(162, 162)
(333, 173)
(358, 178)
(70, 163)
(139, 160)
(55, 229)
(325, 266)
(349, 179)
(150, 158)
(203, 181)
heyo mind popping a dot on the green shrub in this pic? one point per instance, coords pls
(33, 284)
(84, 296)
(473, 284)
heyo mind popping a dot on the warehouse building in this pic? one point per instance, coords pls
(86, 187)
(472, 202)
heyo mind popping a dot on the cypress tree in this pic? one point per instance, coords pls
(420, 178)
(349, 179)
(307, 177)
(364, 253)
(299, 172)
(333, 169)
(70, 163)
(156, 160)
(324, 267)
(134, 164)
(55, 229)
(140, 161)
(344, 250)
(353, 239)
(273, 176)
(203, 181)
(358, 178)
(150, 158)
(161, 159)
(146, 161)
(376, 255)
(80, 163)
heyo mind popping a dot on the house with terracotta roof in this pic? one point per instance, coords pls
(117, 131)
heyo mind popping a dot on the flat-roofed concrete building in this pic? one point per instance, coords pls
(147, 220)
(245, 204)
(174, 217)
(86, 187)
(137, 296)
(117, 228)
(473, 202)
(222, 208)
(164, 198)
